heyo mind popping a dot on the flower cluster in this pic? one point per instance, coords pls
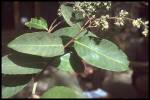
(145, 32)
(120, 19)
(103, 22)
(90, 8)
(138, 22)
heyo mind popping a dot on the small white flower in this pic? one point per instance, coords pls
(108, 7)
(146, 22)
(145, 32)
(105, 25)
(93, 16)
(89, 8)
(96, 23)
(137, 22)
(107, 16)
(103, 21)
(119, 22)
(123, 13)
(105, 3)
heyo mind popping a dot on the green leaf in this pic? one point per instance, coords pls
(37, 23)
(12, 84)
(10, 67)
(90, 34)
(10, 91)
(61, 92)
(70, 16)
(38, 43)
(65, 63)
(102, 54)
(72, 31)
(67, 12)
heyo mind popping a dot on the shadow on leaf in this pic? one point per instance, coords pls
(26, 60)
(76, 62)
(15, 80)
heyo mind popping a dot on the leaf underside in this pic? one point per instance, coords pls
(66, 12)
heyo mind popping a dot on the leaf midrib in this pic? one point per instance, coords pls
(35, 45)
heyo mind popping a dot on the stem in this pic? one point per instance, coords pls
(34, 88)
(35, 80)
(78, 32)
(49, 30)
(130, 19)
(73, 39)
(55, 26)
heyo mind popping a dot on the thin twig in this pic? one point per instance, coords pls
(129, 19)
(139, 64)
(72, 39)
(52, 25)
(55, 26)
(119, 17)
(78, 33)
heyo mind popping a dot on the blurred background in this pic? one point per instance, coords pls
(131, 84)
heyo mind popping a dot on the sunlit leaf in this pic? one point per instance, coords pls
(38, 43)
(102, 54)
(61, 92)
(65, 63)
(37, 23)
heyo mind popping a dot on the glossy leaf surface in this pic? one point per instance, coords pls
(102, 54)
(38, 43)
